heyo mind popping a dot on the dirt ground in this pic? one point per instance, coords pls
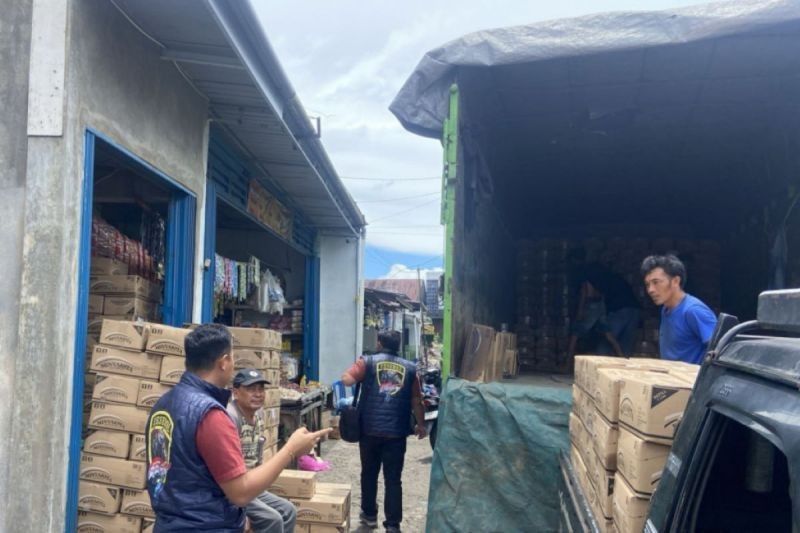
(416, 475)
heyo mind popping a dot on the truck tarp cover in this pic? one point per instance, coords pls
(496, 461)
(421, 104)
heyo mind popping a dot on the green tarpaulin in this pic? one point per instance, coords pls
(495, 467)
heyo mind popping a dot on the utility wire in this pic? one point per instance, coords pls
(398, 199)
(406, 210)
(390, 179)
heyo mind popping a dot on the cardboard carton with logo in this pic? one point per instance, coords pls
(630, 509)
(172, 368)
(274, 360)
(118, 361)
(582, 403)
(606, 436)
(116, 388)
(653, 403)
(586, 367)
(256, 338)
(323, 508)
(98, 523)
(112, 471)
(602, 481)
(306, 527)
(118, 417)
(247, 358)
(640, 462)
(94, 325)
(99, 498)
(608, 383)
(137, 503)
(138, 448)
(125, 285)
(273, 376)
(130, 306)
(579, 436)
(123, 334)
(166, 340)
(150, 392)
(110, 443)
(105, 266)
(477, 353)
(295, 484)
(96, 304)
(148, 525)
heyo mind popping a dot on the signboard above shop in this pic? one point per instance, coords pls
(268, 210)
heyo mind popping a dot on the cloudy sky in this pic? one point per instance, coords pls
(347, 60)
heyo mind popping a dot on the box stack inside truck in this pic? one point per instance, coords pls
(321, 507)
(625, 413)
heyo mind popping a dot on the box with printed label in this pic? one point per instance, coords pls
(98, 523)
(99, 498)
(295, 484)
(119, 417)
(630, 509)
(166, 340)
(312, 527)
(110, 443)
(96, 304)
(582, 476)
(640, 462)
(256, 338)
(579, 436)
(130, 306)
(653, 403)
(105, 266)
(95, 324)
(127, 285)
(324, 508)
(112, 471)
(336, 489)
(118, 361)
(586, 367)
(605, 440)
(138, 448)
(247, 358)
(582, 404)
(172, 368)
(116, 388)
(123, 334)
(273, 377)
(602, 481)
(148, 526)
(150, 392)
(608, 384)
(136, 502)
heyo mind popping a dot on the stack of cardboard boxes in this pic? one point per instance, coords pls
(260, 349)
(489, 355)
(624, 416)
(321, 507)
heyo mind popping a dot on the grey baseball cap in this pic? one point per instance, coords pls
(248, 376)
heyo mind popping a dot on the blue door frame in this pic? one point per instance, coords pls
(311, 320)
(209, 252)
(177, 291)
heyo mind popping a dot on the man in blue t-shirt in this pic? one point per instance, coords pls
(686, 323)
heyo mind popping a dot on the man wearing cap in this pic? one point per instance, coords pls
(267, 513)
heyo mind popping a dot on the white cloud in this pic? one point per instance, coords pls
(398, 271)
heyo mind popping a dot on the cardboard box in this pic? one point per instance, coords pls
(150, 392)
(323, 508)
(582, 404)
(608, 383)
(123, 334)
(256, 338)
(653, 403)
(582, 477)
(110, 443)
(99, 498)
(295, 484)
(138, 449)
(586, 367)
(166, 340)
(94, 325)
(118, 417)
(272, 398)
(271, 434)
(273, 376)
(112, 471)
(630, 509)
(579, 436)
(96, 304)
(172, 368)
(477, 353)
(272, 416)
(605, 438)
(105, 266)
(137, 503)
(98, 523)
(148, 526)
(274, 360)
(127, 285)
(640, 462)
(247, 358)
(116, 388)
(125, 362)
(325, 419)
(603, 483)
(131, 306)
(310, 527)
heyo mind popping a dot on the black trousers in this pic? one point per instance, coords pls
(389, 453)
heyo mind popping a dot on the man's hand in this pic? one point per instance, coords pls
(303, 441)
(420, 431)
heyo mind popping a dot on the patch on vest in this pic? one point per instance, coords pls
(390, 377)
(159, 439)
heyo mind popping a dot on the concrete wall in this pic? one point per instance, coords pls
(341, 304)
(15, 27)
(117, 84)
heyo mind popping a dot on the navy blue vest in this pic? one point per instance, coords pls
(183, 493)
(385, 401)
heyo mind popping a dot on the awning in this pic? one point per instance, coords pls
(221, 49)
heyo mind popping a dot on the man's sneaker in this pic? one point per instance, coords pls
(370, 521)
(392, 529)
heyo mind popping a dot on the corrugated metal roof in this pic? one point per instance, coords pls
(408, 287)
(221, 49)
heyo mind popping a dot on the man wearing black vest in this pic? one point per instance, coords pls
(196, 475)
(390, 392)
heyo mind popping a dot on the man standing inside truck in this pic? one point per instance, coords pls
(686, 322)
(267, 513)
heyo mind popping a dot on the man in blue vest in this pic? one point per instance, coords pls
(390, 392)
(196, 475)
